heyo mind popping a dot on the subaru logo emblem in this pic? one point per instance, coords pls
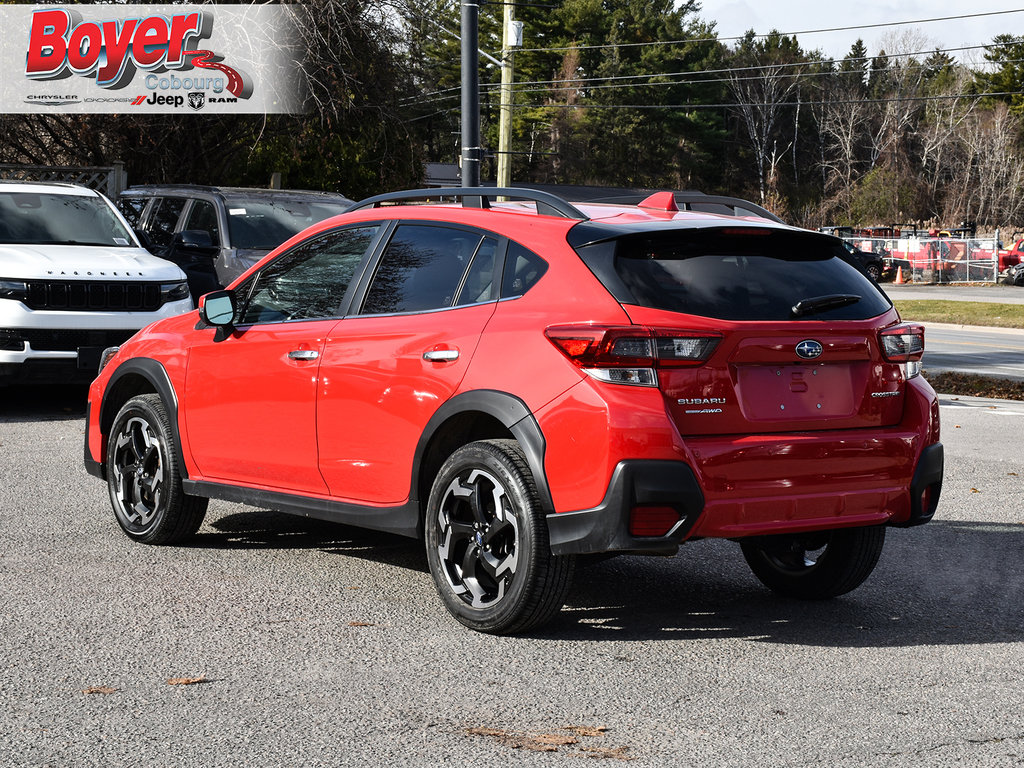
(809, 349)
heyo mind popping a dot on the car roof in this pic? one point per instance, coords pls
(141, 190)
(589, 222)
(46, 187)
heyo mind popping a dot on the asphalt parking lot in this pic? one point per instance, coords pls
(294, 642)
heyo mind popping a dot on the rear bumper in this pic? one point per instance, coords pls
(762, 496)
(605, 528)
(926, 487)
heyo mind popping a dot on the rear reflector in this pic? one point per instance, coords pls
(652, 521)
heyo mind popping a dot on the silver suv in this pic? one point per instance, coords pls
(74, 280)
(244, 223)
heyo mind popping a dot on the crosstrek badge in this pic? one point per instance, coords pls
(157, 58)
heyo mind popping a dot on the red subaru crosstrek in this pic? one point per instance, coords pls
(525, 381)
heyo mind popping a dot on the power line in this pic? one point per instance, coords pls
(587, 86)
(784, 34)
(754, 68)
(731, 105)
(773, 104)
(696, 78)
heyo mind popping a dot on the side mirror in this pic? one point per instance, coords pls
(217, 308)
(195, 240)
(143, 239)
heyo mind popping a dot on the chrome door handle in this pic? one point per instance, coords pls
(441, 355)
(303, 354)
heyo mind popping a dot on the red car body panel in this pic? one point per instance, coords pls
(250, 409)
(375, 382)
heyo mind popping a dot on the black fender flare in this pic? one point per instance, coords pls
(512, 413)
(154, 373)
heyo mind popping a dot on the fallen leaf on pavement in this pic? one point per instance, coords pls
(105, 689)
(186, 680)
(541, 743)
(557, 739)
(586, 730)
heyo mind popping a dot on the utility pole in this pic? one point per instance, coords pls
(470, 94)
(511, 38)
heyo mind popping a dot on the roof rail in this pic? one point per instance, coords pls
(479, 197)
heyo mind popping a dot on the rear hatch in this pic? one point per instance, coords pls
(797, 324)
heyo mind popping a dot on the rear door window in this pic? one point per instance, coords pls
(203, 216)
(163, 220)
(480, 285)
(421, 269)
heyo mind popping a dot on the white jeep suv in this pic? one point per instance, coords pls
(73, 281)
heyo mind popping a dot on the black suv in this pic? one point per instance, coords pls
(244, 224)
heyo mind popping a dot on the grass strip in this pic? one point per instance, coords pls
(962, 312)
(970, 385)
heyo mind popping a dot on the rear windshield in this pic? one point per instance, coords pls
(737, 274)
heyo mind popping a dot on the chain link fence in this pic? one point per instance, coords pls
(937, 259)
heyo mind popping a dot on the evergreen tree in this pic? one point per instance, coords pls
(853, 69)
(1007, 54)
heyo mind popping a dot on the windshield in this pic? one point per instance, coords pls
(739, 274)
(32, 218)
(265, 224)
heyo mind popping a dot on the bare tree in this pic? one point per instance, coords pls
(763, 87)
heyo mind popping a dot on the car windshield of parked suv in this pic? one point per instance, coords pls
(33, 218)
(265, 224)
(738, 274)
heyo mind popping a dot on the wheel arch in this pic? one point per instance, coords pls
(478, 415)
(134, 377)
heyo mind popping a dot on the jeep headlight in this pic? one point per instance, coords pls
(13, 289)
(174, 291)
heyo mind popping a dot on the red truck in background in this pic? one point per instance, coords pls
(944, 256)
(1012, 256)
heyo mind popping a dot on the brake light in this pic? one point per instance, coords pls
(904, 344)
(631, 354)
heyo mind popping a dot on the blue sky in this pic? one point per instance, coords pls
(734, 17)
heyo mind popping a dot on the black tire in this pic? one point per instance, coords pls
(487, 541)
(815, 566)
(144, 478)
(875, 271)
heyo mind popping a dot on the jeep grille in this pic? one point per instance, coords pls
(97, 296)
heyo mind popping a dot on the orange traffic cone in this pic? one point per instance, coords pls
(899, 276)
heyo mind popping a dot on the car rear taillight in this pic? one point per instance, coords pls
(904, 344)
(630, 354)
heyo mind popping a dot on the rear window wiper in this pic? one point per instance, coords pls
(823, 303)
